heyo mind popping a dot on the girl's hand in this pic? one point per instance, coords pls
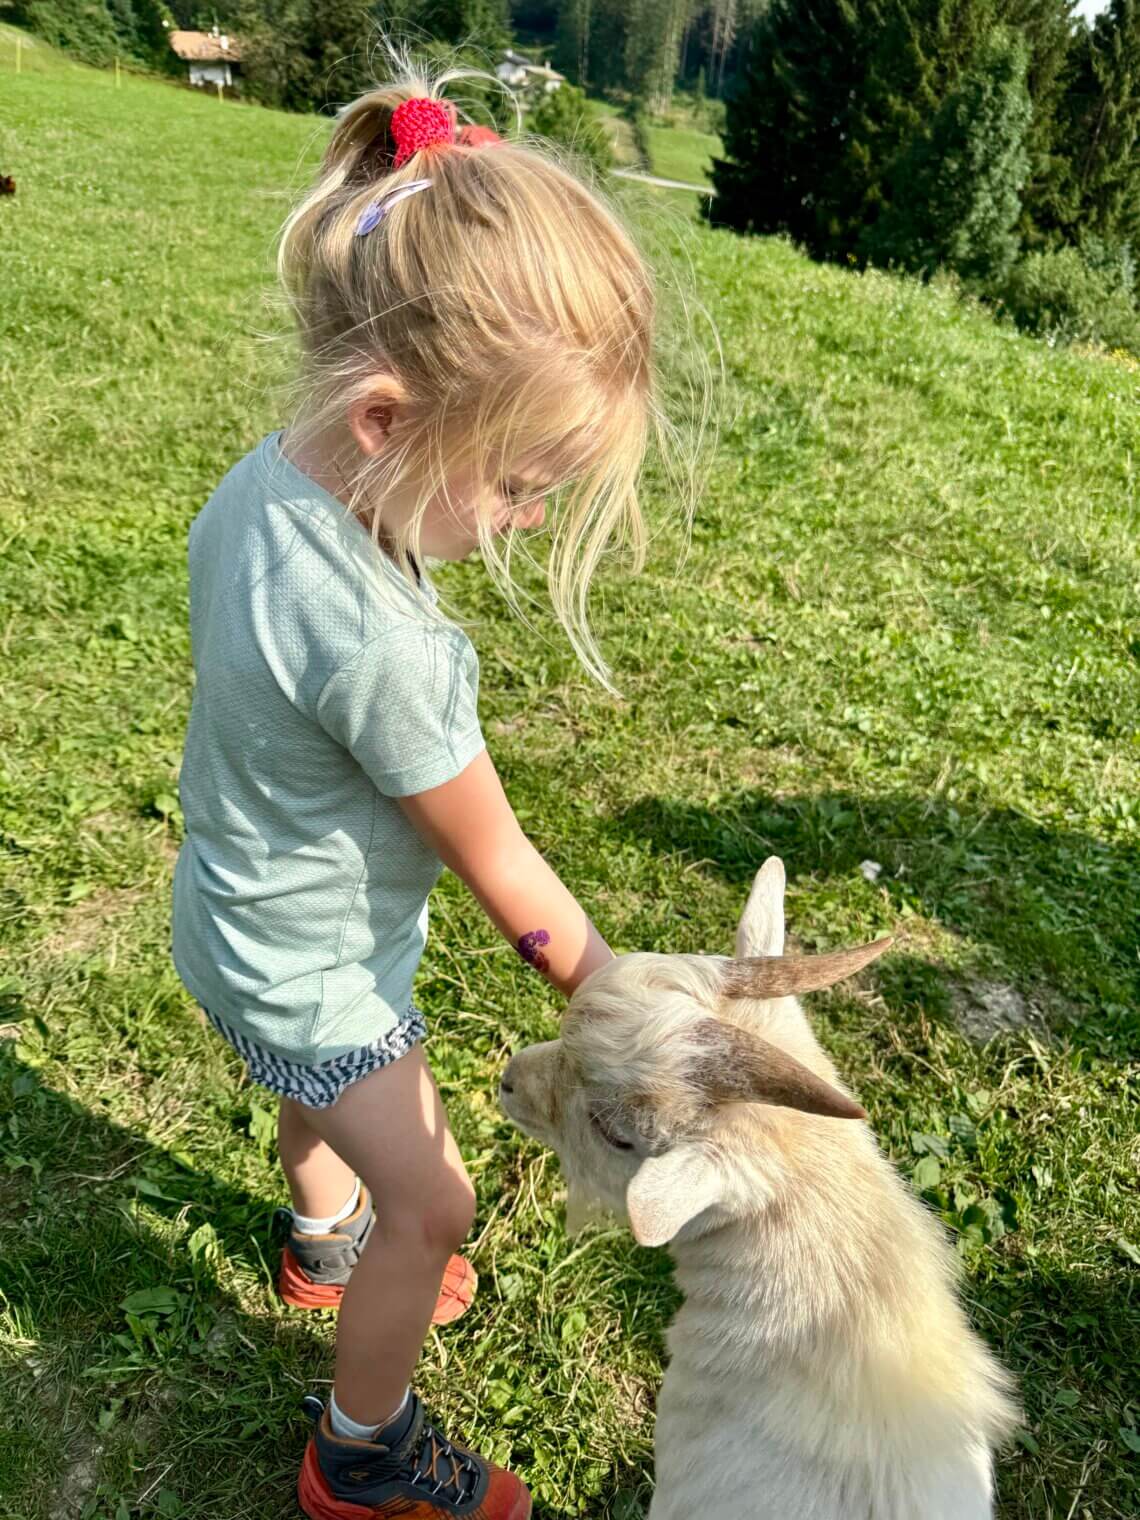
(472, 828)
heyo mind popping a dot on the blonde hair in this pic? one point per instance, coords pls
(517, 316)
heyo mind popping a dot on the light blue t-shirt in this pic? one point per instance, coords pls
(325, 689)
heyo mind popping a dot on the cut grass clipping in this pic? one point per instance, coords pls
(902, 652)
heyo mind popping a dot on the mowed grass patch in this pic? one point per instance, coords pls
(682, 153)
(905, 633)
(618, 130)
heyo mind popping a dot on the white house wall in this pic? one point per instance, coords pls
(211, 74)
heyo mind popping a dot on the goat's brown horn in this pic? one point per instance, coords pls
(770, 976)
(741, 1067)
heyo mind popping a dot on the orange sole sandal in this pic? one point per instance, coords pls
(297, 1288)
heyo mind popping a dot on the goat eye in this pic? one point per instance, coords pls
(608, 1135)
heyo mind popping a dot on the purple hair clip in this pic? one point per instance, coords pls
(376, 210)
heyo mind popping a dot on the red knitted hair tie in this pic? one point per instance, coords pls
(421, 123)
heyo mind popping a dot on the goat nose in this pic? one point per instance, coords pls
(505, 1086)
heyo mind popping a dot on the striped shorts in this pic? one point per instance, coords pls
(321, 1085)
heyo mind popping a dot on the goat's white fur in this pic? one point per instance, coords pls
(820, 1367)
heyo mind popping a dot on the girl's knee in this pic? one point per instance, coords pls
(434, 1224)
(448, 1215)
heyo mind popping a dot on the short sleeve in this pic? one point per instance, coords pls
(406, 708)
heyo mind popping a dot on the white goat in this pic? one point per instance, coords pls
(821, 1367)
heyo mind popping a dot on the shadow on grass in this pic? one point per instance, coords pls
(104, 1403)
(142, 1380)
(1070, 1338)
(1058, 907)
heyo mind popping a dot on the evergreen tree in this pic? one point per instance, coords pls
(725, 20)
(956, 188)
(653, 49)
(86, 30)
(481, 24)
(715, 33)
(921, 52)
(592, 37)
(799, 145)
(1100, 186)
(306, 55)
(572, 44)
(1047, 28)
(833, 93)
(98, 33)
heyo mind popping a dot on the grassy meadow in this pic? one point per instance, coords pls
(902, 652)
(682, 153)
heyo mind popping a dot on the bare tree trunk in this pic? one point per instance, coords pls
(724, 34)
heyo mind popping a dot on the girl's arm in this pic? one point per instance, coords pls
(472, 827)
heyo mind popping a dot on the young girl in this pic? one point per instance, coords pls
(476, 332)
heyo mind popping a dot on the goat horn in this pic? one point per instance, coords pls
(740, 1067)
(770, 976)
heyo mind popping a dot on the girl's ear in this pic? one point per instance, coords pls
(372, 417)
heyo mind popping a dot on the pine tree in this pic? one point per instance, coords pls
(799, 157)
(1047, 28)
(1100, 188)
(725, 20)
(833, 93)
(592, 41)
(956, 189)
(653, 49)
(97, 33)
(481, 24)
(923, 49)
(572, 39)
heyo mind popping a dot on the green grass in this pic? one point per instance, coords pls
(618, 130)
(682, 153)
(906, 631)
(33, 56)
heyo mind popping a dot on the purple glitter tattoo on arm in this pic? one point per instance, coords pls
(530, 948)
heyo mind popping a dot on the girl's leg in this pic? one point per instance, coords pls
(320, 1183)
(390, 1129)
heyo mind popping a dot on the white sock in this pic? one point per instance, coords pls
(352, 1429)
(307, 1226)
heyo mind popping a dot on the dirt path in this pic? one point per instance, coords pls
(663, 184)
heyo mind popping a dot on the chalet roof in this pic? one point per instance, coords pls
(204, 47)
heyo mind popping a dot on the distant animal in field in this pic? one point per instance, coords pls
(7, 185)
(821, 1367)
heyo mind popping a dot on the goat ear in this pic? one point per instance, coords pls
(669, 1190)
(761, 927)
(737, 1066)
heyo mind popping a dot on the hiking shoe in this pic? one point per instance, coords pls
(316, 1268)
(423, 1476)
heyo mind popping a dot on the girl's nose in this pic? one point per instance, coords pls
(534, 516)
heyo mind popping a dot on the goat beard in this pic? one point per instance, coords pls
(582, 1207)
